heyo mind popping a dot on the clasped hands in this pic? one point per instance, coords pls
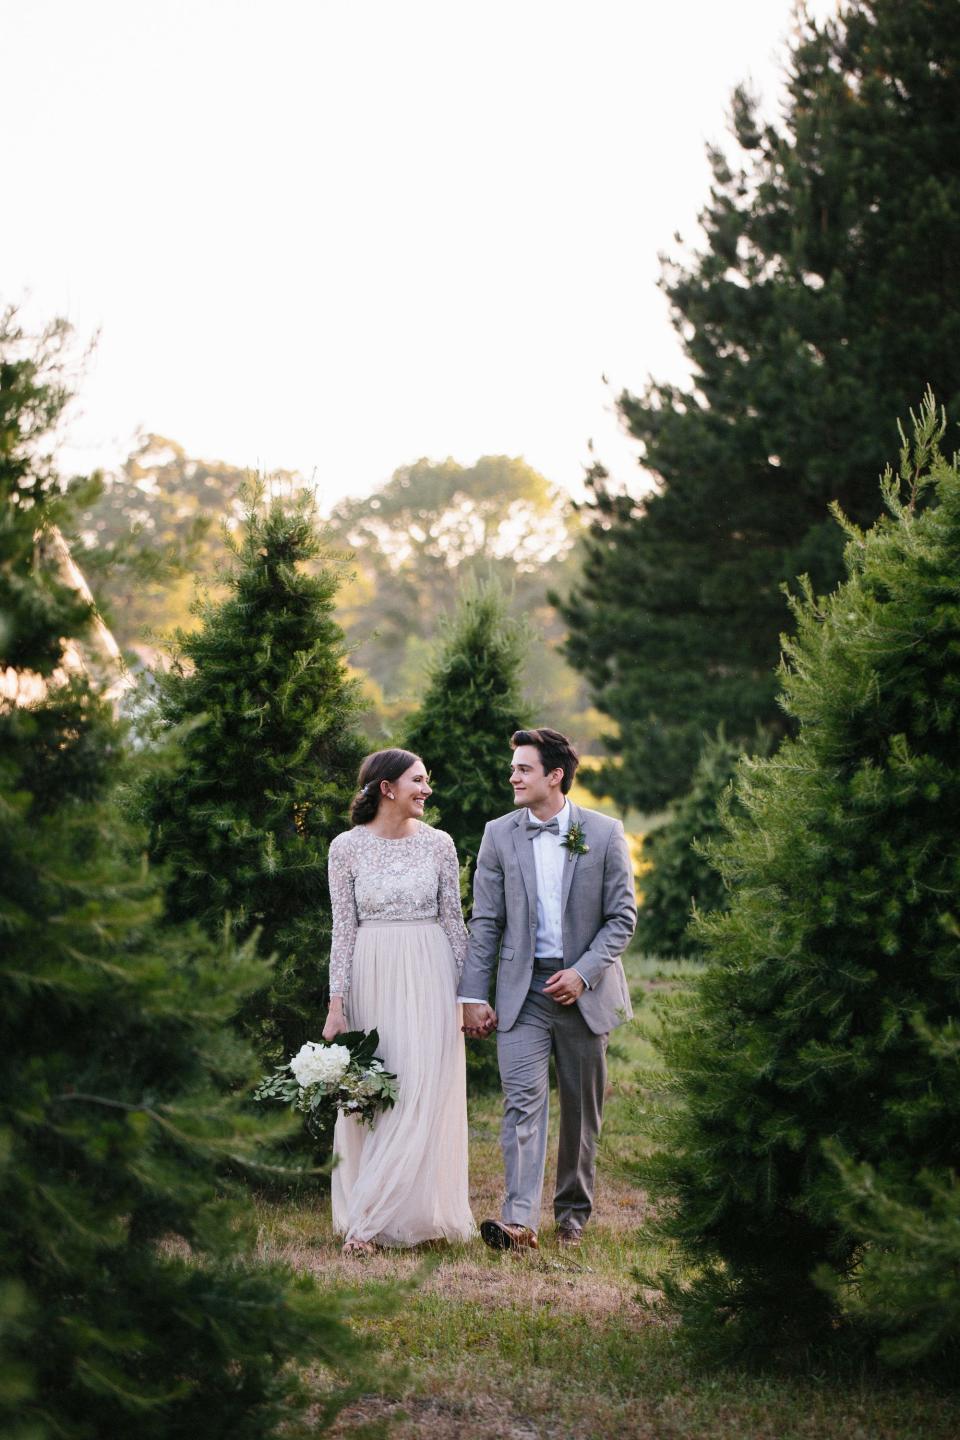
(479, 1021)
(565, 987)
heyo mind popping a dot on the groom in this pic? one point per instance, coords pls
(553, 898)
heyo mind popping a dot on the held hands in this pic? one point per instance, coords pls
(479, 1021)
(566, 987)
(336, 1023)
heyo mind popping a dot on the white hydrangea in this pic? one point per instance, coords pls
(320, 1064)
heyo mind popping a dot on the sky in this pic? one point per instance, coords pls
(337, 237)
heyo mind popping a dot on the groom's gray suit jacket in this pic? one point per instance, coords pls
(599, 915)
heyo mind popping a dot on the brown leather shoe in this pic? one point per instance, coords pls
(568, 1237)
(508, 1237)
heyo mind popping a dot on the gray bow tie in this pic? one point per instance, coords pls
(535, 828)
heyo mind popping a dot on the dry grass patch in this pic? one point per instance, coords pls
(416, 1416)
(597, 1279)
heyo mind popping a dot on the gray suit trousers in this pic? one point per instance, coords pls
(543, 1028)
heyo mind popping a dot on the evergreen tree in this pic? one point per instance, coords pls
(809, 1144)
(126, 1305)
(682, 876)
(266, 712)
(823, 302)
(470, 708)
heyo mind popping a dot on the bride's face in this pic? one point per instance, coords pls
(411, 791)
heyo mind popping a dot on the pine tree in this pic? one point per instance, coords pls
(809, 1143)
(129, 1298)
(823, 302)
(682, 876)
(471, 706)
(259, 692)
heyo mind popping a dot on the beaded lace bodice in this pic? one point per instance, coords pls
(417, 878)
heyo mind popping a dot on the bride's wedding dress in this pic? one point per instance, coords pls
(398, 946)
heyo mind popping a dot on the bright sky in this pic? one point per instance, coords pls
(336, 237)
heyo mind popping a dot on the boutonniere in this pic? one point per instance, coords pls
(574, 841)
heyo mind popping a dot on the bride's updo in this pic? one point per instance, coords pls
(381, 765)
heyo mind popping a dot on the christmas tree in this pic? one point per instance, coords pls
(471, 706)
(266, 713)
(809, 1141)
(682, 876)
(130, 1301)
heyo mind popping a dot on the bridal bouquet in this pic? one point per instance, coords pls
(321, 1079)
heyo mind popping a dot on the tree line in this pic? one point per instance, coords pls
(159, 529)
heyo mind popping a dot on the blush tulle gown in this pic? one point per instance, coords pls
(398, 946)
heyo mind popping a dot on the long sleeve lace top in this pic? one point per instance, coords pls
(416, 878)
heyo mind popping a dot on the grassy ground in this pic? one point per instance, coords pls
(550, 1345)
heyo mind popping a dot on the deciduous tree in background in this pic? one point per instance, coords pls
(433, 527)
(807, 1153)
(824, 301)
(126, 1303)
(153, 531)
(270, 763)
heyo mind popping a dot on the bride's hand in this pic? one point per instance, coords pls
(336, 1023)
(479, 1021)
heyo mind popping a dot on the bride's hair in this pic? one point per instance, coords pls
(381, 765)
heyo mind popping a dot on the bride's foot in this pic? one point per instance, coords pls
(359, 1249)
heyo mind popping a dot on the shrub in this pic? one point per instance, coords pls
(811, 1129)
(266, 715)
(682, 876)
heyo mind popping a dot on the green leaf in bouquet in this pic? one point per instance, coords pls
(281, 1085)
(362, 1045)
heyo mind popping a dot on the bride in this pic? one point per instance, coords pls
(398, 946)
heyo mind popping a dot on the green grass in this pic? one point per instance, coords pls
(554, 1345)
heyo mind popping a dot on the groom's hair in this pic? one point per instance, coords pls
(556, 752)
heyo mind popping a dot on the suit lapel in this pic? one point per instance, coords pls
(570, 858)
(524, 848)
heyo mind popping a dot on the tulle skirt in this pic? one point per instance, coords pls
(404, 1179)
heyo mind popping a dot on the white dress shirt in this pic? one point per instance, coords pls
(549, 854)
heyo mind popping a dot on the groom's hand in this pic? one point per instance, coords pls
(566, 987)
(478, 1021)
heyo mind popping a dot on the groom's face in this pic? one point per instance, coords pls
(531, 785)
